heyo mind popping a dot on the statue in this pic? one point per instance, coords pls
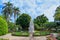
(31, 29)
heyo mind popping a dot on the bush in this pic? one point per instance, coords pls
(41, 33)
(37, 33)
(36, 27)
(13, 27)
(58, 38)
(24, 21)
(3, 27)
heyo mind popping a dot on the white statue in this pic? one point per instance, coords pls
(31, 29)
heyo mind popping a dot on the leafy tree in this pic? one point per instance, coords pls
(7, 10)
(51, 25)
(40, 20)
(37, 27)
(3, 26)
(24, 21)
(13, 27)
(57, 14)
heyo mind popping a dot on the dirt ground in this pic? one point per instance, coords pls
(10, 37)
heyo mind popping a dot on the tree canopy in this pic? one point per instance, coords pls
(24, 21)
(57, 14)
(40, 20)
(3, 26)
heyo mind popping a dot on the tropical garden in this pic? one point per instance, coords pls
(12, 21)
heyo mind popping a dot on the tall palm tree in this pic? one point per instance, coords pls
(16, 13)
(7, 10)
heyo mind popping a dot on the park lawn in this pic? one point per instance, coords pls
(20, 34)
(37, 33)
(41, 33)
(3, 39)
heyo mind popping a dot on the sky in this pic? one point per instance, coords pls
(35, 7)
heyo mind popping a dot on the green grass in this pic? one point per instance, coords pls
(41, 33)
(3, 39)
(37, 33)
(20, 34)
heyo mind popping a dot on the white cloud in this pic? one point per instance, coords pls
(50, 12)
(3, 1)
(36, 7)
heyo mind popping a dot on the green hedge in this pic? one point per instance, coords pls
(20, 34)
(3, 27)
(37, 33)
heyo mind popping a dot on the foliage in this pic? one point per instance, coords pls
(16, 13)
(41, 33)
(13, 27)
(40, 20)
(57, 14)
(58, 38)
(20, 33)
(37, 27)
(3, 27)
(7, 10)
(50, 25)
(24, 21)
(37, 33)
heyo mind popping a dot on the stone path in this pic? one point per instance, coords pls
(10, 37)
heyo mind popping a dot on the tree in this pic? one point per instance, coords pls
(40, 20)
(7, 10)
(37, 27)
(24, 21)
(57, 17)
(16, 13)
(51, 25)
(3, 26)
(57, 14)
(13, 27)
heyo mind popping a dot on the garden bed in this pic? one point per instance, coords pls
(37, 33)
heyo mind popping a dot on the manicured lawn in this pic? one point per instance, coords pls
(3, 39)
(20, 34)
(41, 33)
(37, 33)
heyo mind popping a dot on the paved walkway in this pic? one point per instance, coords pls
(10, 37)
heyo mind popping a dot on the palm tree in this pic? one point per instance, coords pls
(16, 13)
(7, 10)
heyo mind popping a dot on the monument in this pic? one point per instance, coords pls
(31, 29)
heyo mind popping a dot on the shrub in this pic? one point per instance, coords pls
(36, 27)
(3, 26)
(58, 38)
(24, 21)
